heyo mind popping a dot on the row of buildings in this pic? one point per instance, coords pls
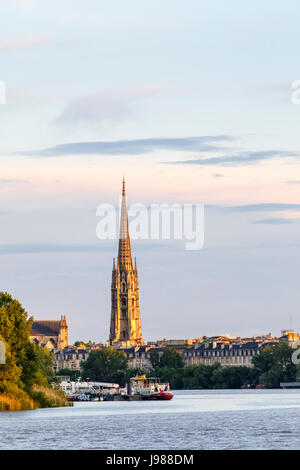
(227, 351)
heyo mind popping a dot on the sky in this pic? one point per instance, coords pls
(193, 101)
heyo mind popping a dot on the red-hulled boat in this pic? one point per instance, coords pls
(162, 395)
(150, 388)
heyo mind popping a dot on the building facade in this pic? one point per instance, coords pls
(70, 358)
(51, 334)
(125, 323)
(228, 354)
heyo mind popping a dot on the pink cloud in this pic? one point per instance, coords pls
(23, 42)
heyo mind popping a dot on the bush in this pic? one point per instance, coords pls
(8, 403)
(46, 397)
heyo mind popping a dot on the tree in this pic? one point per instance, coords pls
(38, 367)
(14, 330)
(171, 358)
(274, 365)
(27, 365)
(15, 327)
(169, 367)
(154, 359)
(106, 365)
(73, 374)
(80, 344)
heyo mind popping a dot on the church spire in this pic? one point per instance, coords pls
(125, 323)
(124, 254)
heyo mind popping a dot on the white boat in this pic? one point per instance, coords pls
(149, 388)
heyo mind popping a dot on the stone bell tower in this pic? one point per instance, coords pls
(125, 324)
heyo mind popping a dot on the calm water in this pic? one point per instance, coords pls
(238, 419)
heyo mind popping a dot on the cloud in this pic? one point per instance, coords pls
(217, 175)
(133, 147)
(292, 182)
(109, 246)
(24, 5)
(274, 221)
(105, 105)
(23, 42)
(264, 207)
(11, 180)
(243, 158)
(31, 248)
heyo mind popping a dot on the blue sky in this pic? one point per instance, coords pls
(192, 100)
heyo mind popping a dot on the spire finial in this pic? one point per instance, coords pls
(123, 189)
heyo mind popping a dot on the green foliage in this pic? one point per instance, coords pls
(37, 367)
(46, 397)
(73, 374)
(27, 365)
(170, 368)
(14, 329)
(154, 359)
(274, 365)
(10, 372)
(106, 365)
(171, 358)
(79, 344)
(207, 377)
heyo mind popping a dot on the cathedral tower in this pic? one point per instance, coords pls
(125, 324)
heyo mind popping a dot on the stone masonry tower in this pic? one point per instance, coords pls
(125, 324)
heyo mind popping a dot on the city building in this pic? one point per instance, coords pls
(206, 353)
(226, 354)
(125, 324)
(139, 357)
(51, 334)
(290, 337)
(70, 358)
(225, 350)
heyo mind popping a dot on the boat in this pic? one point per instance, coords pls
(149, 388)
(89, 391)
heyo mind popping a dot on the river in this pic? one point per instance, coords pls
(206, 419)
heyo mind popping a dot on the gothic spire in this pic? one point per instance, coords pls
(124, 254)
(125, 320)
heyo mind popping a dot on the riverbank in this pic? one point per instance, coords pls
(40, 397)
(10, 403)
